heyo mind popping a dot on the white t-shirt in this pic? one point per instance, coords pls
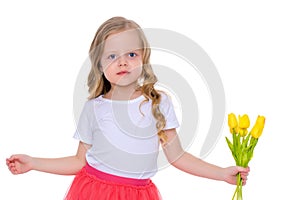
(123, 135)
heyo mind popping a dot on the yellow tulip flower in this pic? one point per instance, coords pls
(232, 122)
(258, 127)
(242, 131)
(256, 131)
(260, 121)
(244, 121)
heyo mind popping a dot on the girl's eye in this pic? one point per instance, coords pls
(112, 56)
(132, 54)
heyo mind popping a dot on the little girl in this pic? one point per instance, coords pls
(122, 125)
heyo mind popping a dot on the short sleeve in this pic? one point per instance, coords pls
(167, 109)
(83, 127)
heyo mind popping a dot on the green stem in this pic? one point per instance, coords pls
(238, 191)
(240, 186)
(235, 192)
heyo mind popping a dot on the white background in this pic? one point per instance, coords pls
(255, 46)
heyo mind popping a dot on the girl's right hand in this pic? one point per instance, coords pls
(19, 163)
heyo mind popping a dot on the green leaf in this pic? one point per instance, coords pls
(230, 145)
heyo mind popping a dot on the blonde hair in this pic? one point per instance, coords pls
(99, 85)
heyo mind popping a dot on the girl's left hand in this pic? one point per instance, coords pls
(230, 174)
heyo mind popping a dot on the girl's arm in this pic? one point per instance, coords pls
(195, 166)
(21, 163)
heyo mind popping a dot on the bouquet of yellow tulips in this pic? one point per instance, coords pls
(243, 143)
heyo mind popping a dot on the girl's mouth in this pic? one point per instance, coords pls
(122, 72)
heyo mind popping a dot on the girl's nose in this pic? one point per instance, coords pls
(122, 61)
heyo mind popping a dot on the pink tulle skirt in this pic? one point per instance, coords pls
(92, 184)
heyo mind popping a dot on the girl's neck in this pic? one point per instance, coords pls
(122, 93)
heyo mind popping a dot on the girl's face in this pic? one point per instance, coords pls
(122, 58)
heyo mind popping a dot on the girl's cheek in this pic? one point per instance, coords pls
(106, 68)
(138, 64)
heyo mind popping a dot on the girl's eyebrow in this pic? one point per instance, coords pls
(123, 51)
(110, 52)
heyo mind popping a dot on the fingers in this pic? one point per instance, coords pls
(11, 164)
(12, 158)
(243, 169)
(244, 182)
(244, 173)
(244, 178)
